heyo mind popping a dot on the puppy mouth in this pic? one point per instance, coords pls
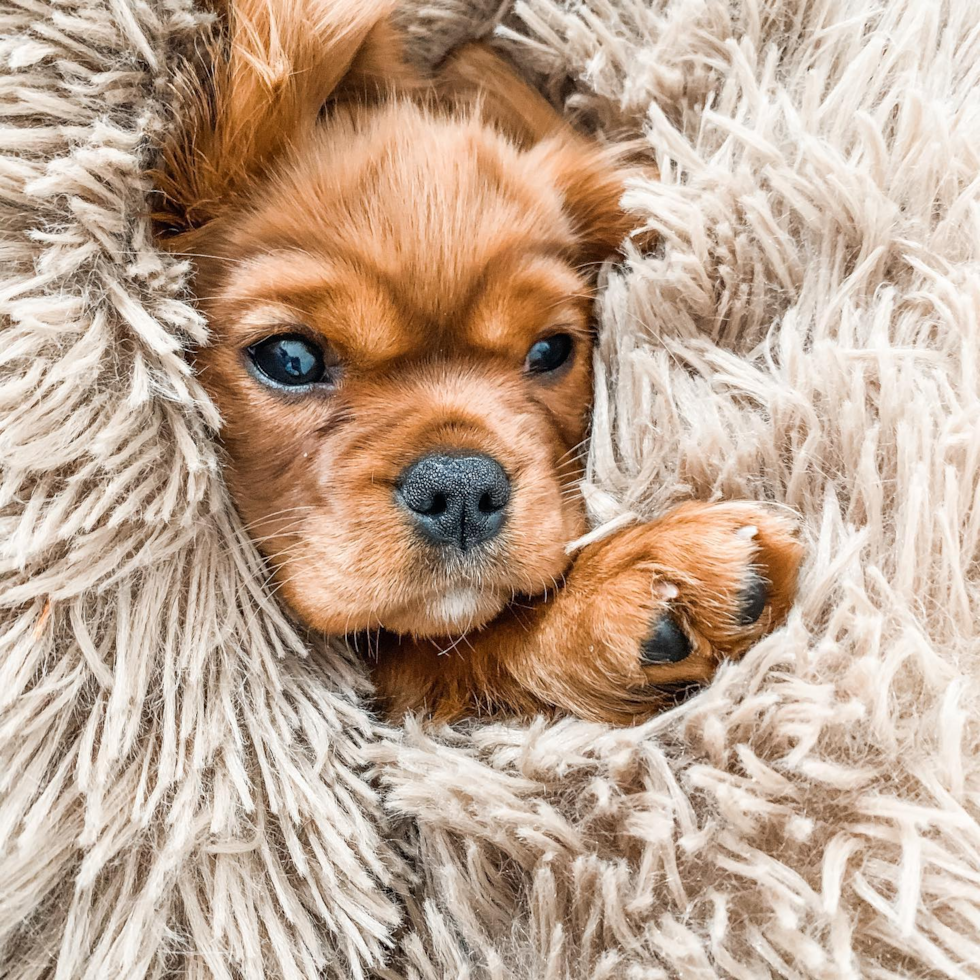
(458, 604)
(455, 502)
(433, 543)
(462, 608)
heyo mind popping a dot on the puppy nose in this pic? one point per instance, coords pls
(456, 500)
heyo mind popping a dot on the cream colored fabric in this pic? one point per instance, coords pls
(190, 789)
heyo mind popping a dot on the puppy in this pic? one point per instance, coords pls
(399, 273)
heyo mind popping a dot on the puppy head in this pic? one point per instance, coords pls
(401, 357)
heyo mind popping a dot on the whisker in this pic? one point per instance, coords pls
(266, 518)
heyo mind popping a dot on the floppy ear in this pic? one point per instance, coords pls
(273, 69)
(475, 74)
(591, 178)
(379, 68)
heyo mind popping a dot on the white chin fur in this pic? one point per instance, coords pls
(458, 607)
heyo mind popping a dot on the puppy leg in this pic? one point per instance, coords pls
(648, 608)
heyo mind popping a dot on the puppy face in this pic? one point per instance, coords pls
(399, 296)
(406, 289)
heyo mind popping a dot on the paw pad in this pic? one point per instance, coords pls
(752, 601)
(666, 644)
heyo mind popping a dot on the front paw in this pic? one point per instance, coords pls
(662, 604)
(669, 643)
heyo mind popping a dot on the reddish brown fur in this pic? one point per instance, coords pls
(427, 233)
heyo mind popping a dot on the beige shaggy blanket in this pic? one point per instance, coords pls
(190, 789)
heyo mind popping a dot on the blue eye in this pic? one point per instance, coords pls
(289, 360)
(548, 354)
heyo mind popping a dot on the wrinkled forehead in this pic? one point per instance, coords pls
(494, 300)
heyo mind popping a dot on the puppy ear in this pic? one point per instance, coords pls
(591, 180)
(273, 70)
(380, 67)
(476, 75)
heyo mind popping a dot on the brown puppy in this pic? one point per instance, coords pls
(398, 273)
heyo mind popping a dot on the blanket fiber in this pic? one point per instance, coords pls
(190, 788)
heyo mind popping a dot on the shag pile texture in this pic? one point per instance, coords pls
(190, 789)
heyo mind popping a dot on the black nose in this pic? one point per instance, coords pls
(457, 500)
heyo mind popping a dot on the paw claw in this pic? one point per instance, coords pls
(752, 601)
(666, 644)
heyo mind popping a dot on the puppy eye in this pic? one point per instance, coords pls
(289, 360)
(548, 354)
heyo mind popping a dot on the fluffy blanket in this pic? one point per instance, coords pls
(190, 789)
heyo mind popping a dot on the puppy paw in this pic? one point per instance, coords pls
(662, 604)
(667, 643)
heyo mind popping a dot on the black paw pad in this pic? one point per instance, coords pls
(752, 601)
(666, 644)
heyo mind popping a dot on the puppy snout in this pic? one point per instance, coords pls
(456, 500)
